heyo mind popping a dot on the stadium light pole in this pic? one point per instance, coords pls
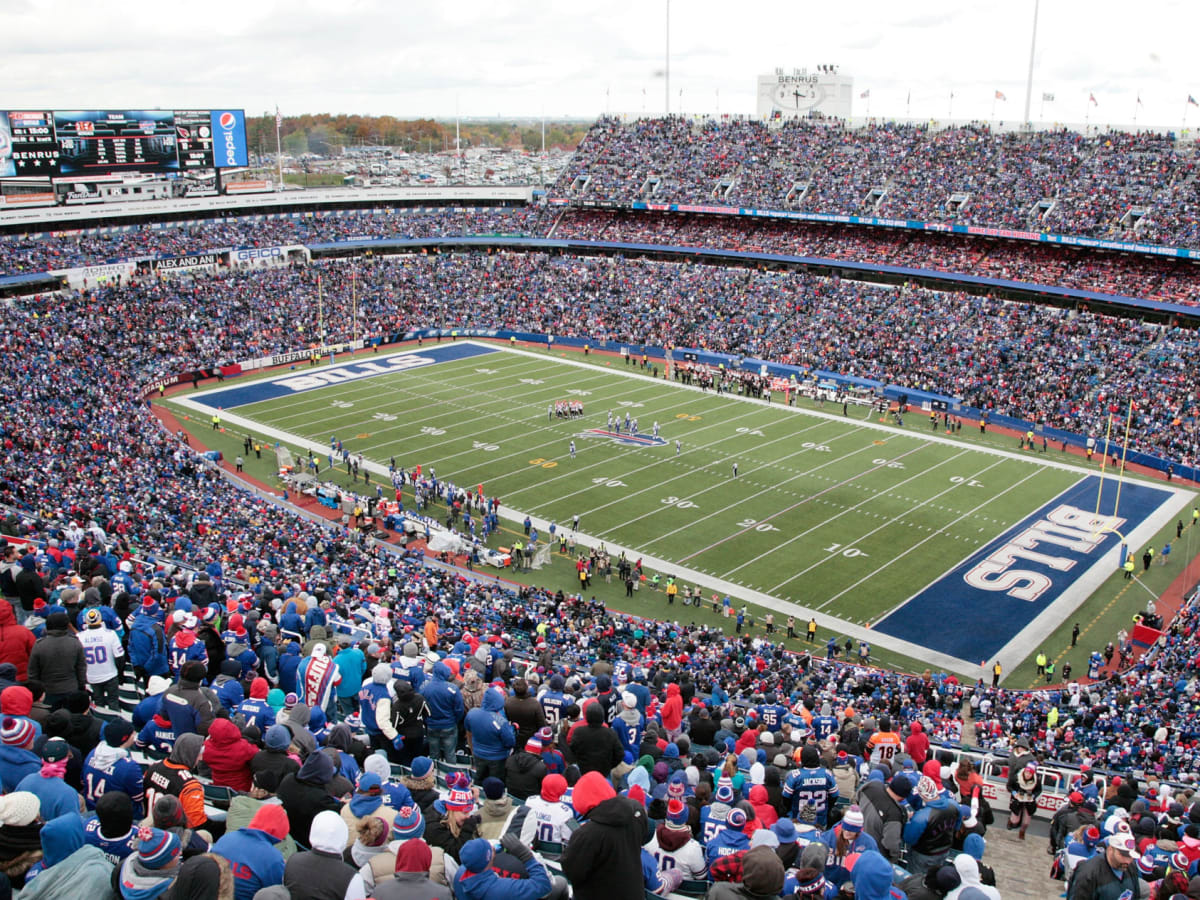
(667, 93)
(1029, 76)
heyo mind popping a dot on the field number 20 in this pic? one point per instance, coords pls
(756, 525)
(969, 482)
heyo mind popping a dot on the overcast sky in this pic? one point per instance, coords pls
(533, 57)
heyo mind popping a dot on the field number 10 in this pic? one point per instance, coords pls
(848, 552)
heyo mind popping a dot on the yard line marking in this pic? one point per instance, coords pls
(794, 505)
(951, 524)
(887, 522)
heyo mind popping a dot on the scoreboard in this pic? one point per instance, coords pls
(105, 141)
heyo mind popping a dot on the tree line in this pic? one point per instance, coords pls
(326, 134)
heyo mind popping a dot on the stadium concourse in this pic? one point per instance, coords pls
(288, 694)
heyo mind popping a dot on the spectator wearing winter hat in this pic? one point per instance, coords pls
(477, 880)
(730, 839)
(524, 770)
(111, 828)
(629, 724)
(56, 796)
(276, 756)
(931, 831)
(150, 872)
(109, 768)
(595, 746)
(255, 710)
(452, 822)
(412, 878)
(376, 866)
(253, 851)
(321, 872)
(20, 833)
(17, 758)
(548, 818)
(806, 879)
(306, 794)
(551, 755)
(843, 840)
(762, 877)
(496, 810)
(884, 815)
(604, 856)
(421, 782)
(673, 841)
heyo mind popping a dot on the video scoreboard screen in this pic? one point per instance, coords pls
(105, 141)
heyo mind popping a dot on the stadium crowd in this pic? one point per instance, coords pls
(1108, 185)
(379, 724)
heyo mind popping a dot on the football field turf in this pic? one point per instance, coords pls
(841, 516)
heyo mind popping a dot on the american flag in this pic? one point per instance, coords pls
(1092, 100)
(1000, 96)
(278, 118)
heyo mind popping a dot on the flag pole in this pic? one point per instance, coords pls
(1103, 461)
(279, 149)
(1029, 77)
(1124, 454)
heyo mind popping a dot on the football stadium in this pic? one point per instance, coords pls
(787, 504)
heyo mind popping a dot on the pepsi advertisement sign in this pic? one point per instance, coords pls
(229, 138)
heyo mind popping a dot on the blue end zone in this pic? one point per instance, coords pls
(973, 611)
(306, 379)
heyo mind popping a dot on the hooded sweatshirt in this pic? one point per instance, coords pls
(872, 877)
(968, 873)
(228, 755)
(492, 735)
(445, 700)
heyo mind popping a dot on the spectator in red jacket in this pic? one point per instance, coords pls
(917, 744)
(16, 641)
(672, 712)
(228, 755)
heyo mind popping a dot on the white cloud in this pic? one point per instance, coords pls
(526, 57)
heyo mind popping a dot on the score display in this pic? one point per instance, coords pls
(105, 141)
(109, 141)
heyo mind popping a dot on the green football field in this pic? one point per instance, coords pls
(841, 515)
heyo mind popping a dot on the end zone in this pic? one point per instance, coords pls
(307, 379)
(1001, 601)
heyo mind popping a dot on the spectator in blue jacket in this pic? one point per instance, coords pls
(445, 702)
(352, 663)
(477, 880)
(289, 665)
(148, 642)
(253, 854)
(149, 705)
(491, 734)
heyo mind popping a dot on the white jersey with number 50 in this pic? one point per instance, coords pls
(101, 649)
